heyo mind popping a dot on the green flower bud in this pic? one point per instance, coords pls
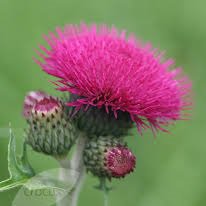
(50, 131)
(106, 156)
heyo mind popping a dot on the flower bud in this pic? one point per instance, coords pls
(50, 131)
(109, 157)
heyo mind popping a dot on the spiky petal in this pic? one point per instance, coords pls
(106, 69)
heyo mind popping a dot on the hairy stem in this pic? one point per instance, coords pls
(75, 165)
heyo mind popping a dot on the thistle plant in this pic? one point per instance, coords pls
(111, 84)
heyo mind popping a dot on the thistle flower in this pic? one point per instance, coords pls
(105, 69)
(107, 156)
(50, 131)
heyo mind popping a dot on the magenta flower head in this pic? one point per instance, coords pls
(105, 69)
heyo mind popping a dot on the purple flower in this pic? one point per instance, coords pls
(104, 68)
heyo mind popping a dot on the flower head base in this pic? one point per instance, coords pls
(50, 131)
(107, 156)
(94, 121)
(119, 161)
(107, 70)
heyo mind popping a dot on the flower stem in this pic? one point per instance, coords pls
(106, 198)
(103, 187)
(76, 165)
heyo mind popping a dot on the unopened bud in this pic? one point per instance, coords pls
(50, 130)
(108, 157)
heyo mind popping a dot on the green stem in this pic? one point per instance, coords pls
(106, 202)
(105, 190)
(76, 164)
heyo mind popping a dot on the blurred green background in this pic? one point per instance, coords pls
(171, 169)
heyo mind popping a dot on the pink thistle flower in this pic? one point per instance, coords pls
(106, 69)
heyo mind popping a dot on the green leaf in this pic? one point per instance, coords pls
(13, 168)
(46, 182)
(20, 170)
(10, 184)
(24, 163)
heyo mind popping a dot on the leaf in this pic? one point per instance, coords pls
(20, 170)
(22, 174)
(24, 163)
(38, 183)
(10, 184)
